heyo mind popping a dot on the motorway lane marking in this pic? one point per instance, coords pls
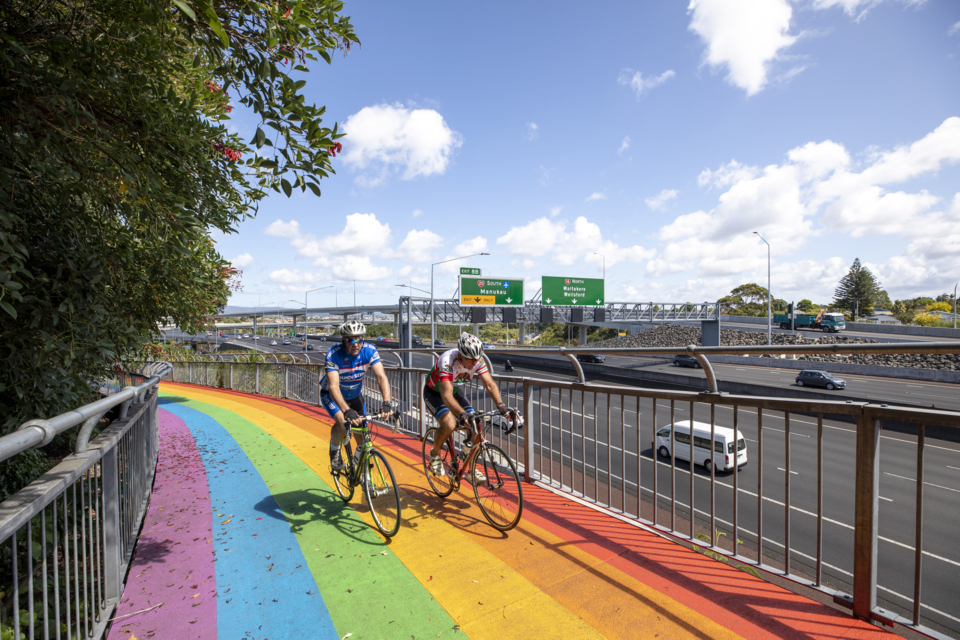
(949, 467)
(887, 499)
(914, 385)
(782, 469)
(914, 480)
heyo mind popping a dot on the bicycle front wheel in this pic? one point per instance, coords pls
(500, 496)
(441, 485)
(383, 496)
(341, 479)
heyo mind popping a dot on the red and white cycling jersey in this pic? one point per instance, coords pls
(448, 367)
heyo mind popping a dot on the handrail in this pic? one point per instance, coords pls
(40, 432)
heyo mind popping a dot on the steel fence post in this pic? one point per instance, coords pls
(286, 381)
(111, 525)
(256, 375)
(231, 376)
(866, 512)
(528, 450)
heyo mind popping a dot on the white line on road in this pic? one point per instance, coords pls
(886, 473)
(887, 499)
(949, 467)
(782, 469)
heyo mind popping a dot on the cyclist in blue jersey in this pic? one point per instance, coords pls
(340, 389)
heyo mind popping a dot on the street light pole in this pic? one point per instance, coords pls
(769, 297)
(433, 323)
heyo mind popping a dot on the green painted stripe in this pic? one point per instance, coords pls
(368, 594)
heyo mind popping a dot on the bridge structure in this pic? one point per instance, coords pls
(411, 310)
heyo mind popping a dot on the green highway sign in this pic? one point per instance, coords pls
(572, 292)
(469, 271)
(491, 292)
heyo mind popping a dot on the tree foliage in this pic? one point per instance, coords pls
(858, 290)
(116, 163)
(749, 300)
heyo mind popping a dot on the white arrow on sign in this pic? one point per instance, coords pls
(509, 300)
(573, 300)
(548, 300)
(598, 300)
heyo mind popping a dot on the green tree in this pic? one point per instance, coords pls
(116, 162)
(806, 306)
(858, 290)
(883, 301)
(940, 306)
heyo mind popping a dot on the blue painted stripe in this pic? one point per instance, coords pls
(264, 587)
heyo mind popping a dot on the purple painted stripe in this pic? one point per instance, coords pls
(174, 559)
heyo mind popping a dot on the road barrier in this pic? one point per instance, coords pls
(806, 507)
(69, 536)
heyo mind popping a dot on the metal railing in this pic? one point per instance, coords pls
(597, 444)
(68, 537)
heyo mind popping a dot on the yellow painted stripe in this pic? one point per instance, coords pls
(486, 597)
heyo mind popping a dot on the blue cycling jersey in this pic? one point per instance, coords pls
(350, 368)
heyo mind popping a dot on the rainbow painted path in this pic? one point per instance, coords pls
(246, 538)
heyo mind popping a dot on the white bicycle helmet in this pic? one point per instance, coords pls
(352, 328)
(470, 346)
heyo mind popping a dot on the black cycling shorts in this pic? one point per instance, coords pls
(356, 404)
(436, 405)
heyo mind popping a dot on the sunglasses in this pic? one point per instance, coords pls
(353, 341)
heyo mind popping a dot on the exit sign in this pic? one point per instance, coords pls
(469, 271)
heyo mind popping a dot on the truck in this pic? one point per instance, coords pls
(826, 322)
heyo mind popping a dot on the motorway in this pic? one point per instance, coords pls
(612, 474)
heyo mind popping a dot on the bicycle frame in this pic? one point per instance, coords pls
(475, 429)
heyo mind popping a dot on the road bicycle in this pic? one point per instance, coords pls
(370, 470)
(499, 492)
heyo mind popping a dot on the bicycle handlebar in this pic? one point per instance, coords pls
(516, 421)
(383, 415)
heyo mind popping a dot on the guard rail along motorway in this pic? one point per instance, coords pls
(68, 537)
(595, 444)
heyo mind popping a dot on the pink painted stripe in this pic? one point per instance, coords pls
(174, 559)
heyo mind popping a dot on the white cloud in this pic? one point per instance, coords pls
(744, 36)
(473, 245)
(532, 131)
(624, 145)
(660, 200)
(416, 213)
(858, 8)
(242, 261)
(596, 195)
(819, 190)
(385, 139)
(533, 239)
(295, 280)
(639, 84)
(555, 211)
(363, 235)
(283, 229)
(543, 236)
(545, 174)
(357, 268)
(954, 30)
(416, 247)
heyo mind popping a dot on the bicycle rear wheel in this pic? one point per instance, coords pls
(341, 479)
(383, 496)
(441, 485)
(500, 497)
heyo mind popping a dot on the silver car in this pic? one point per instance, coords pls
(820, 379)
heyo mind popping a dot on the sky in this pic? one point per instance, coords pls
(643, 142)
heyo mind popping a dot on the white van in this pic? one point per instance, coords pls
(723, 445)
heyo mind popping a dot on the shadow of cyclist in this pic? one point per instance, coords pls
(302, 507)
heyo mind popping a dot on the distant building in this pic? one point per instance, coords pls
(881, 319)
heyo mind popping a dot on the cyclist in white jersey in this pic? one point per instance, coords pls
(442, 393)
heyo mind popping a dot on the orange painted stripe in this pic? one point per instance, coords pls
(570, 551)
